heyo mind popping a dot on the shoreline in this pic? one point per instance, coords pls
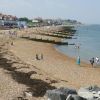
(73, 58)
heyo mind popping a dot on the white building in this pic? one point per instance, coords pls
(35, 21)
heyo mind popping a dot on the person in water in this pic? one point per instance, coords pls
(78, 60)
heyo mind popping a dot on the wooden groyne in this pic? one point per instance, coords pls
(55, 35)
(46, 41)
(46, 35)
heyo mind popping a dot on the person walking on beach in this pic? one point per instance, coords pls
(37, 57)
(92, 61)
(97, 60)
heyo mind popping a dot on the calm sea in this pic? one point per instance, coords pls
(88, 38)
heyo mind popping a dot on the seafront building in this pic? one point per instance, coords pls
(10, 21)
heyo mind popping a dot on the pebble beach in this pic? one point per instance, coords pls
(21, 72)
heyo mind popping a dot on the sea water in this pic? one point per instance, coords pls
(88, 40)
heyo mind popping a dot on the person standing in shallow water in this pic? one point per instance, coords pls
(92, 61)
(41, 56)
(78, 60)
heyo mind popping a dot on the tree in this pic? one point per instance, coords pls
(23, 19)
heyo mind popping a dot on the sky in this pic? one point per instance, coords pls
(85, 11)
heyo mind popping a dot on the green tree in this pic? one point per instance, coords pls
(24, 19)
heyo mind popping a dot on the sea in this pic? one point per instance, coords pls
(87, 38)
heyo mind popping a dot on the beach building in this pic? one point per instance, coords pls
(22, 24)
(46, 22)
(1, 19)
(35, 22)
(8, 20)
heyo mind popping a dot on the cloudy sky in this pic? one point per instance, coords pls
(86, 11)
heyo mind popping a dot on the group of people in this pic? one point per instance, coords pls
(12, 33)
(94, 60)
(39, 57)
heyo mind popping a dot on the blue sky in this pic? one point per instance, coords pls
(86, 11)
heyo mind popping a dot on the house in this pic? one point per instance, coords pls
(8, 20)
(1, 15)
(35, 21)
(22, 24)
